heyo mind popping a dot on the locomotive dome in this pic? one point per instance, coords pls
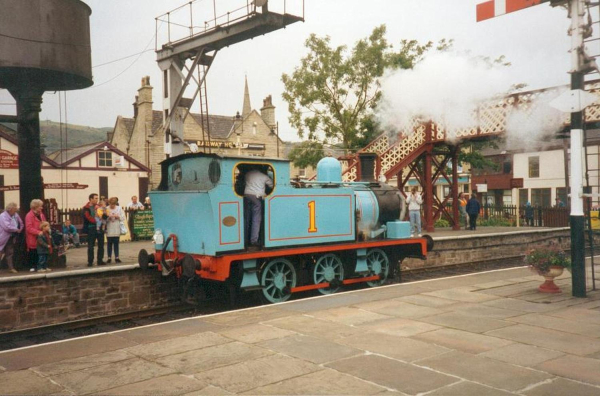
(329, 170)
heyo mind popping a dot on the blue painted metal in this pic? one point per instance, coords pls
(398, 229)
(329, 170)
(287, 216)
(361, 261)
(368, 211)
(250, 277)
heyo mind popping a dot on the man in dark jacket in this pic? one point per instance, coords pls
(473, 208)
(93, 234)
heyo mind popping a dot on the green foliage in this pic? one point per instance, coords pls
(471, 154)
(496, 222)
(441, 223)
(541, 258)
(332, 94)
(72, 135)
(307, 153)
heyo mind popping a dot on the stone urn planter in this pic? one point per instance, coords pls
(549, 286)
(548, 261)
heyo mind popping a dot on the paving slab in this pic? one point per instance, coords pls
(461, 294)
(209, 391)
(428, 301)
(55, 352)
(393, 374)
(199, 360)
(466, 322)
(494, 284)
(313, 349)
(574, 367)
(490, 372)
(324, 302)
(247, 375)
(400, 327)
(522, 355)
(177, 345)
(314, 327)
(246, 316)
(174, 384)
(519, 305)
(483, 311)
(27, 382)
(252, 334)
(349, 316)
(100, 378)
(558, 323)
(400, 348)
(462, 340)
(469, 388)
(162, 331)
(562, 387)
(324, 382)
(550, 339)
(80, 363)
(399, 308)
(579, 315)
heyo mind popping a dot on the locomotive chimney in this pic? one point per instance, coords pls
(367, 166)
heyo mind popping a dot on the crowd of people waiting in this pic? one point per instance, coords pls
(101, 218)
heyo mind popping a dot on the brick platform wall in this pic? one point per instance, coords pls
(42, 301)
(481, 248)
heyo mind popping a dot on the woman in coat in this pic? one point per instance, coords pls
(113, 228)
(10, 225)
(33, 219)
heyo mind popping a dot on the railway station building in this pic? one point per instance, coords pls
(70, 175)
(249, 133)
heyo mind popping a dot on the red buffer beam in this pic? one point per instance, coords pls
(494, 8)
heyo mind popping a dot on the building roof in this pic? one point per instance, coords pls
(220, 126)
(65, 155)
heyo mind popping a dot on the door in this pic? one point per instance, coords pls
(103, 187)
(143, 188)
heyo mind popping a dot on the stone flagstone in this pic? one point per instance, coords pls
(463, 321)
(349, 316)
(490, 372)
(80, 363)
(174, 384)
(26, 382)
(324, 382)
(465, 388)
(251, 374)
(314, 327)
(558, 323)
(522, 355)
(256, 333)
(561, 387)
(400, 327)
(177, 345)
(393, 374)
(462, 340)
(574, 367)
(310, 348)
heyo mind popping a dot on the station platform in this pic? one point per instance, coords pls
(489, 333)
(77, 257)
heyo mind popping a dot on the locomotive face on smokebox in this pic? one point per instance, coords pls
(199, 208)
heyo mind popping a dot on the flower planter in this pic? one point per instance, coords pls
(549, 286)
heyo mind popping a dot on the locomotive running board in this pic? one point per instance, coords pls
(327, 284)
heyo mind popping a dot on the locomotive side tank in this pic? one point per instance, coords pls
(317, 235)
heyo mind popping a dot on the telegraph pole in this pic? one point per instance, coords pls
(577, 12)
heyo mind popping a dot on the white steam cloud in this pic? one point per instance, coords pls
(447, 88)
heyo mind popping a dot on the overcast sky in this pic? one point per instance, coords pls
(535, 41)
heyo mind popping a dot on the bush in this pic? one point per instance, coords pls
(496, 222)
(441, 223)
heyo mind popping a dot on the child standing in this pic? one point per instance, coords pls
(45, 246)
(101, 215)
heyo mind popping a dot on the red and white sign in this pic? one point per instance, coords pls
(8, 160)
(494, 8)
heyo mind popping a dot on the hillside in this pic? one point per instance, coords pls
(72, 135)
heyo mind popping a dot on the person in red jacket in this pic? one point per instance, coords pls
(93, 234)
(33, 219)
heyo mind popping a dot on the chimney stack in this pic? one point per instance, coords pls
(267, 112)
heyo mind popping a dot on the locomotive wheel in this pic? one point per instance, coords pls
(277, 278)
(327, 269)
(379, 264)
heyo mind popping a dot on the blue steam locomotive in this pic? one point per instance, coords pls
(317, 235)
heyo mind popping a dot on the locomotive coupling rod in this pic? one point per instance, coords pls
(328, 284)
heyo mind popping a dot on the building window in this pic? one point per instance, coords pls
(561, 193)
(506, 168)
(302, 172)
(523, 196)
(105, 158)
(534, 167)
(541, 197)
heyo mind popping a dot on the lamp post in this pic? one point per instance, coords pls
(238, 118)
(275, 131)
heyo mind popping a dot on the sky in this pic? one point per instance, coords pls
(534, 40)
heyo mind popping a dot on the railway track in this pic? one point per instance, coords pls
(219, 303)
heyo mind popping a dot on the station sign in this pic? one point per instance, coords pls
(50, 186)
(8, 160)
(516, 183)
(226, 145)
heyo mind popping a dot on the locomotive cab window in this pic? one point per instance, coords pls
(197, 174)
(241, 170)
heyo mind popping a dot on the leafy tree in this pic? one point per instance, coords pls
(332, 93)
(307, 153)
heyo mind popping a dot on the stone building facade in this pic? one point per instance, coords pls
(252, 133)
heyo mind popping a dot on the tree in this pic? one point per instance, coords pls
(307, 153)
(331, 95)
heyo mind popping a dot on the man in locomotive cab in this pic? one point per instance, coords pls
(255, 189)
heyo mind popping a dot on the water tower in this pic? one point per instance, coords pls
(44, 46)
